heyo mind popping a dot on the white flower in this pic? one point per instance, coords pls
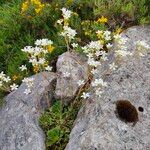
(23, 67)
(14, 87)
(99, 82)
(70, 33)
(27, 91)
(94, 63)
(113, 66)
(60, 21)
(33, 61)
(7, 79)
(80, 82)
(122, 41)
(2, 75)
(95, 45)
(66, 74)
(109, 45)
(98, 92)
(107, 36)
(104, 56)
(41, 61)
(94, 71)
(98, 53)
(107, 33)
(86, 49)
(48, 68)
(37, 51)
(123, 53)
(117, 37)
(66, 13)
(4, 78)
(74, 45)
(142, 44)
(90, 56)
(29, 81)
(85, 95)
(28, 49)
(43, 42)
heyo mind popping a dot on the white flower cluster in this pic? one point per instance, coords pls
(29, 82)
(107, 35)
(43, 42)
(34, 53)
(38, 53)
(142, 48)
(99, 85)
(99, 82)
(92, 47)
(94, 51)
(121, 46)
(4, 78)
(66, 13)
(68, 32)
(104, 35)
(4, 82)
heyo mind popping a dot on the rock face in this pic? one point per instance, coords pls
(19, 117)
(71, 68)
(97, 126)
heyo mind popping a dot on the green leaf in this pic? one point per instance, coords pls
(54, 136)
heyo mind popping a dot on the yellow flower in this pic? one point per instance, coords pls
(15, 77)
(36, 2)
(102, 20)
(37, 10)
(101, 42)
(50, 48)
(24, 6)
(66, 22)
(118, 31)
(100, 34)
(36, 68)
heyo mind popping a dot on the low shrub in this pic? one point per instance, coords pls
(57, 123)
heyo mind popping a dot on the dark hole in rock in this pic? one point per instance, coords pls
(126, 111)
(128, 76)
(141, 109)
(121, 79)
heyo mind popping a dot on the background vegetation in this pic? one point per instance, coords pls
(18, 30)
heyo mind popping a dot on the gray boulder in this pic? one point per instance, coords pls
(97, 126)
(71, 67)
(19, 117)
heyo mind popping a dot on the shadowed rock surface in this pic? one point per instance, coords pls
(19, 127)
(76, 66)
(97, 126)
